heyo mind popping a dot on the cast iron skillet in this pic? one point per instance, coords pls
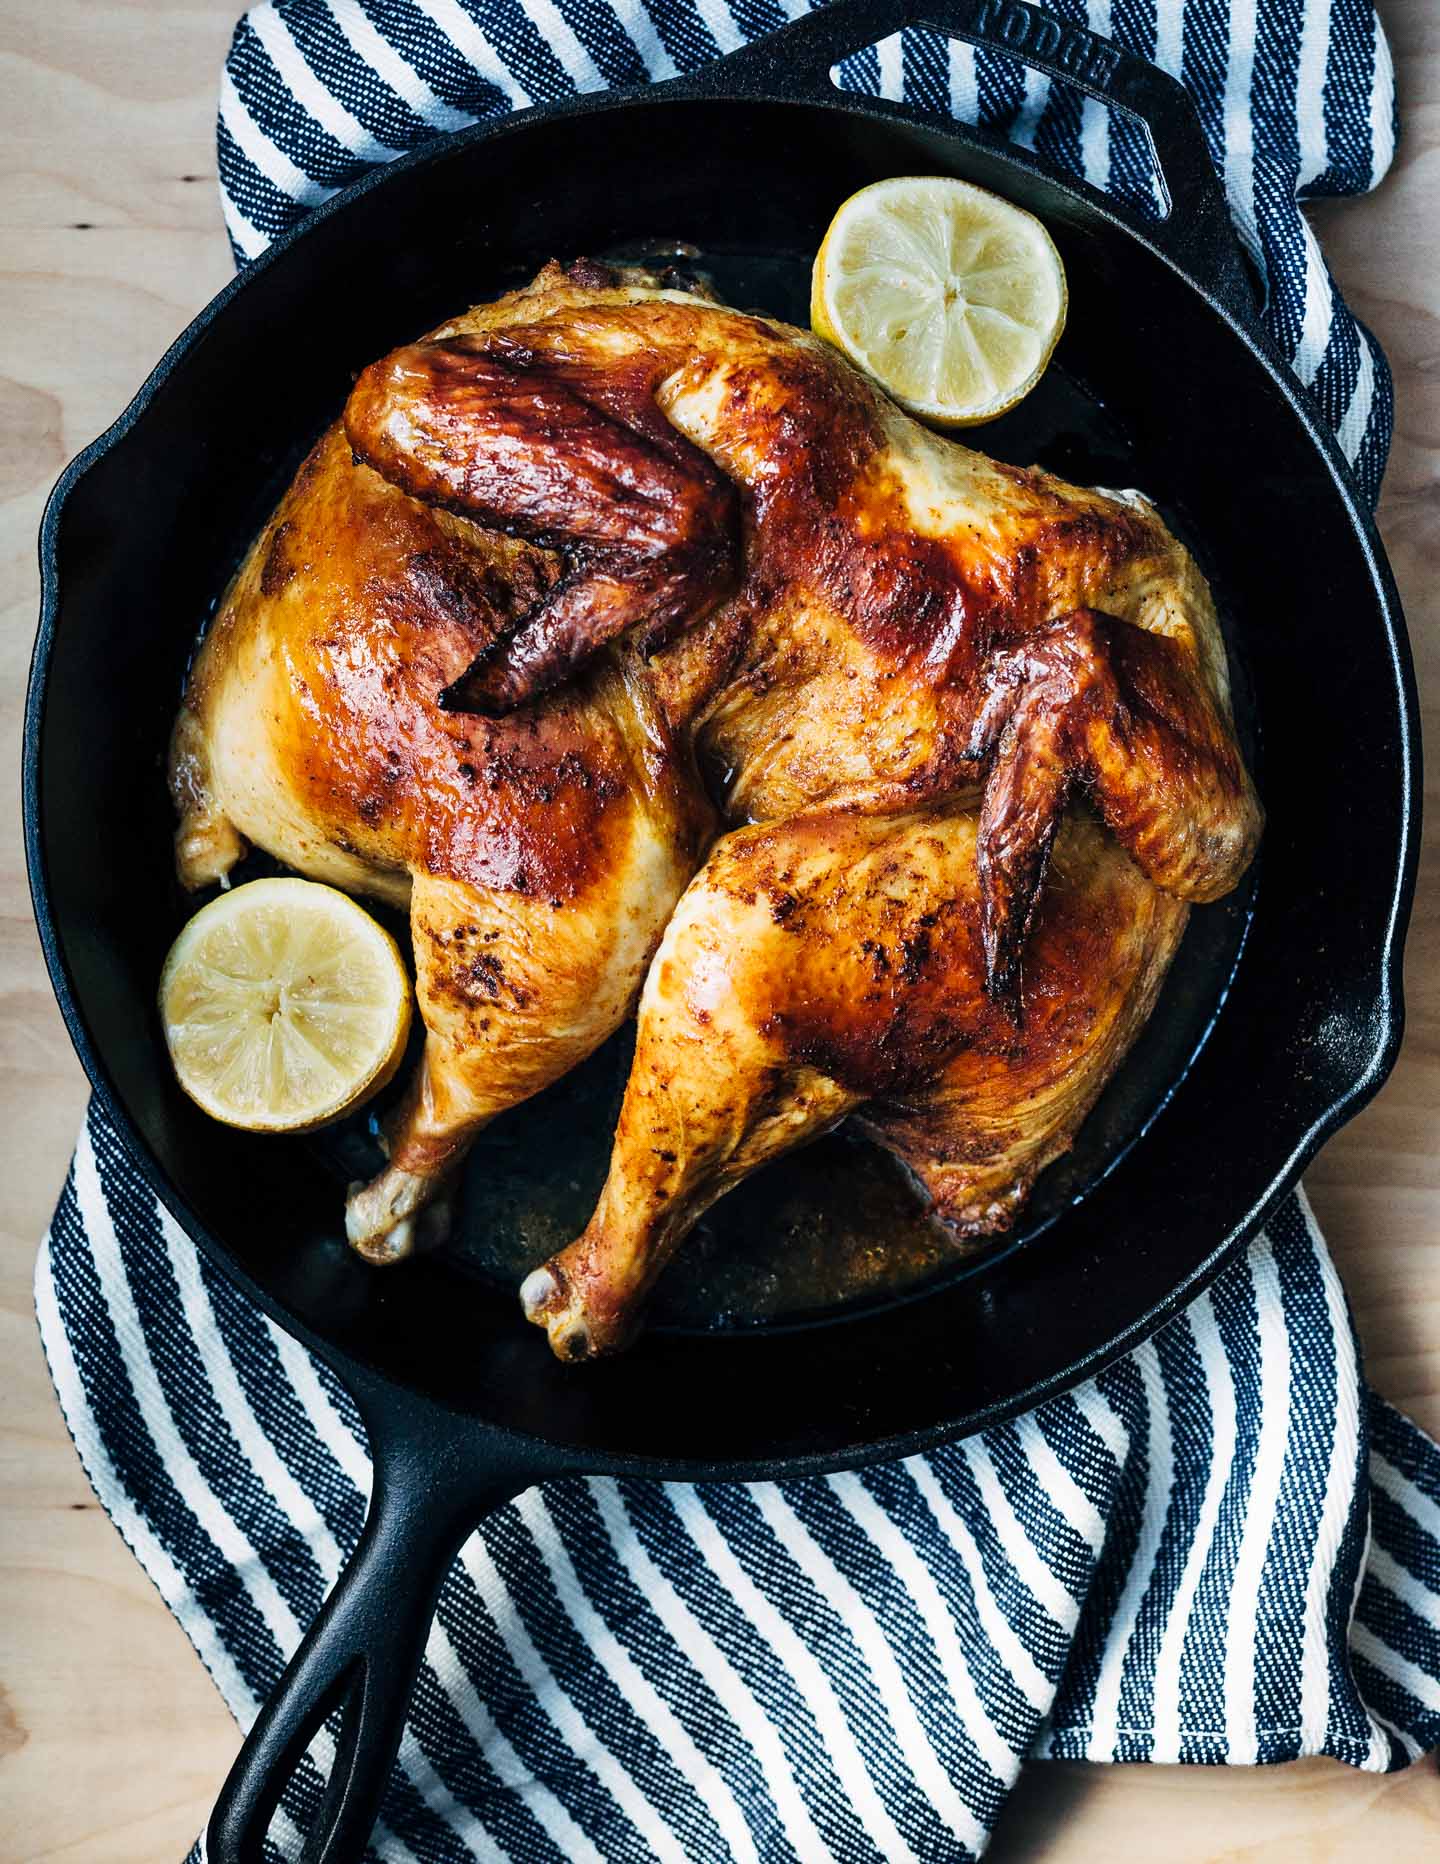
(463, 1403)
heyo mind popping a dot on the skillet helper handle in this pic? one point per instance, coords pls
(1195, 233)
(363, 1651)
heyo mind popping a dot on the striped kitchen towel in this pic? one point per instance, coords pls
(1224, 1548)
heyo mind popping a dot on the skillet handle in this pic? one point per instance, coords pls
(433, 1483)
(1195, 234)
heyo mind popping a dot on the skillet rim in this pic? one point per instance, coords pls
(376, 1389)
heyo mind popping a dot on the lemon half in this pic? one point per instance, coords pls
(949, 296)
(285, 1005)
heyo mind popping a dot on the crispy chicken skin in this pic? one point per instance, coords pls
(633, 640)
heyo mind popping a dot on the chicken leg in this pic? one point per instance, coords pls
(832, 963)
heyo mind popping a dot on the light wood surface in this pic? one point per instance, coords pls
(112, 1738)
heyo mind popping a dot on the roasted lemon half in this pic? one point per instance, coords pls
(951, 298)
(285, 1005)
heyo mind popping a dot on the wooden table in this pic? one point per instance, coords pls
(112, 1738)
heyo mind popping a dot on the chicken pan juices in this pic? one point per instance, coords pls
(659, 664)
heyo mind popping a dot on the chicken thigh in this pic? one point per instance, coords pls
(604, 570)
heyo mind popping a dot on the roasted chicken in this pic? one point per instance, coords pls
(645, 650)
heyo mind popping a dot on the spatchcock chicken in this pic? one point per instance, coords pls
(648, 653)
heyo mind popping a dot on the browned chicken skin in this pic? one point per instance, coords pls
(596, 550)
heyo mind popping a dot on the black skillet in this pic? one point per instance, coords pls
(463, 1403)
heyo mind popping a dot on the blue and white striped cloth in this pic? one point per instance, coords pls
(1223, 1549)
